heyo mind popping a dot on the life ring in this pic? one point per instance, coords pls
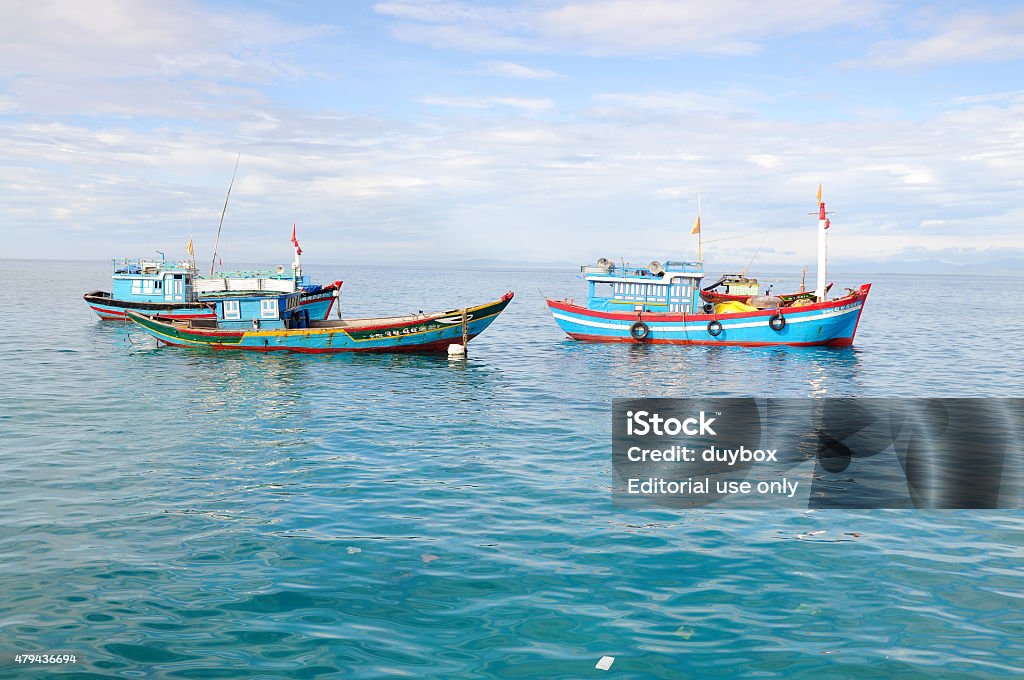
(640, 331)
(777, 322)
(714, 328)
(708, 307)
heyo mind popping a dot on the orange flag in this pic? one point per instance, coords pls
(819, 193)
(696, 226)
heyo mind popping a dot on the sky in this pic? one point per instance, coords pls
(544, 132)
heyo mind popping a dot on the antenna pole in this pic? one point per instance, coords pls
(223, 212)
(700, 235)
(744, 272)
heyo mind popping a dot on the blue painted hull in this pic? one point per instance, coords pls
(832, 323)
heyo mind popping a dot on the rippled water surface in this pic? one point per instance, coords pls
(189, 514)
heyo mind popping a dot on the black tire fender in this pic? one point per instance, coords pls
(640, 331)
(714, 328)
(777, 322)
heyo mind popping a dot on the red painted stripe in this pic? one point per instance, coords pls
(864, 290)
(109, 315)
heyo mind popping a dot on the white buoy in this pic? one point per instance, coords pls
(456, 350)
(605, 663)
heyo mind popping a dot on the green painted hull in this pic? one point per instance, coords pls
(420, 333)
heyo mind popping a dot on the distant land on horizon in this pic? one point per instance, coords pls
(1004, 267)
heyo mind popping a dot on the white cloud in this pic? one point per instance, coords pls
(671, 27)
(764, 160)
(669, 102)
(509, 69)
(128, 57)
(618, 27)
(534, 104)
(965, 38)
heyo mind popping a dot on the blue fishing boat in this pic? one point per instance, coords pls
(267, 322)
(664, 304)
(175, 290)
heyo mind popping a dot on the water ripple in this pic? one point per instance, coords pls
(188, 514)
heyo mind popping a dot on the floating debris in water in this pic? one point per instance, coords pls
(353, 550)
(684, 632)
(605, 663)
(811, 533)
(428, 558)
(808, 609)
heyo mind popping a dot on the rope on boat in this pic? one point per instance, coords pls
(459, 351)
(131, 341)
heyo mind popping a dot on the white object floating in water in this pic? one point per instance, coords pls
(353, 551)
(456, 350)
(811, 533)
(605, 663)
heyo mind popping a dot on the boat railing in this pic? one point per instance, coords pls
(136, 265)
(280, 273)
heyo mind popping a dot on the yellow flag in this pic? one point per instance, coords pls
(696, 226)
(819, 193)
(189, 249)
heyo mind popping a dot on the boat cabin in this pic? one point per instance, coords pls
(138, 280)
(672, 287)
(737, 284)
(278, 280)
(258, 311)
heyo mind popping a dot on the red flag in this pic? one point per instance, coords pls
(295, 241)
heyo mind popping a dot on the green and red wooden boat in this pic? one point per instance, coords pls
(267, 323)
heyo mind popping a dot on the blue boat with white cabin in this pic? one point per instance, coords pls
(175, 290)
(665, 304)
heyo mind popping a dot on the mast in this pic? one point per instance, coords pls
(696, 230)
(223, 212)
(700, 238)
(297, 262)
(823, 224)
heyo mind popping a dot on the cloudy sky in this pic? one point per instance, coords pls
(539, 131)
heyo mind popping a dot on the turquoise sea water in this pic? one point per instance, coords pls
(184, 514)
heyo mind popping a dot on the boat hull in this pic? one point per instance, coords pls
(422, 333)
(318, 304)
(832, 324)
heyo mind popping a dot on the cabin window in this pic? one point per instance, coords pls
(603, 290)
(231, 310)
(158, 285)
(268, 309)
(136, 287)
(147, 287)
